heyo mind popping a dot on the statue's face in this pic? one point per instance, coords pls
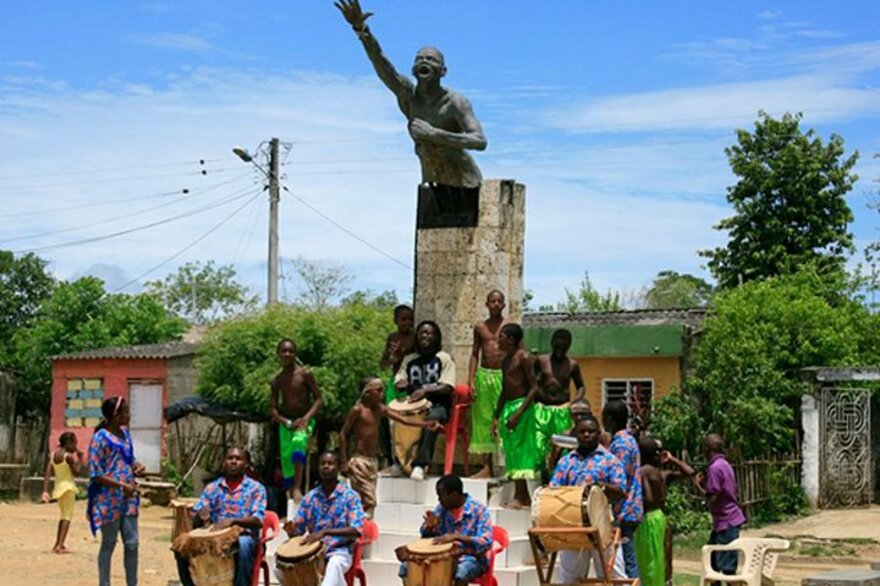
(429, 64)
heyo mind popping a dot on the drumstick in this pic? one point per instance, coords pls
(564, 441)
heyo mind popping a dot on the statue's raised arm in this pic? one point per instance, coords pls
(441, 122)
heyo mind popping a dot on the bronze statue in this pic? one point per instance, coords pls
(441, 122)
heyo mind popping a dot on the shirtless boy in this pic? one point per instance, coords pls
(514, 418)
(300, 400)
(484, 382)
(363, 421)
(651, 534)
(555, 371)
(398, 344)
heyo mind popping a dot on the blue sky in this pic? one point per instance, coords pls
(614, 115)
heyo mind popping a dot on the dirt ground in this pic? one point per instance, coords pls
(825, 541)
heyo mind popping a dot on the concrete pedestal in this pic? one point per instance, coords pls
(456, 267)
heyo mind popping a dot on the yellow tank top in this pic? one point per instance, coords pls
(63, 478)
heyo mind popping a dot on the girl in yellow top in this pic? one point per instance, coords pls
(65, 462)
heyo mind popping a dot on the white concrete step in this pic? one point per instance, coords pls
(406, 517)
(493, 491)
(384, 573)
(518, 552)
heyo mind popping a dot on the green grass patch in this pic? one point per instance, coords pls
(8, 495)
(679, 579)
(821, 550)
(688, 544)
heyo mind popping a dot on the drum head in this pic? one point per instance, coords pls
(428, 547)
(406, 406)
(184, 502)
(600, 514)
(293, 549)
(209, 532)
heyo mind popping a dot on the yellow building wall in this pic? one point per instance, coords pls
(664, 371)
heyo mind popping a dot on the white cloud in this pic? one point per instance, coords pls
(177, 41)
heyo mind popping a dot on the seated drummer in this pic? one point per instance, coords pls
(429, 373)
(590, 464)
(463, 520)
(233, 499)
(330, 512)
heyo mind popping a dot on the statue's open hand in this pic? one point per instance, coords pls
(354, 15)
(420, 130)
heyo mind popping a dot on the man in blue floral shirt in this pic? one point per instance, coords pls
(589, 464)
(233, 499)
(331, 512)
(628, 512)
(459, 519)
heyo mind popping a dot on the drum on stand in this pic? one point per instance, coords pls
(183, 508)
(427, 563)
(572, 506)
(406, 437)
(299, 564)
(211, 554)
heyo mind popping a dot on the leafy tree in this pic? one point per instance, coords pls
(81, 316)
(671, 289)
(203, 292)
(789, 203)
(323, 282)
(341, 345)
(24, 285)
(588, 298)
(746, 383)
(383, 300)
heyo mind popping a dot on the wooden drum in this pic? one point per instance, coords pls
(183, 508)
(406, 437)
(572, 506)
(428, 564)
(298, 564)
(211, 554)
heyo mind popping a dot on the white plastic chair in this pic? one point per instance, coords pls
(757, 560)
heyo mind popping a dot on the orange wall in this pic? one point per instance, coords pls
(117, 373)
(664, 371)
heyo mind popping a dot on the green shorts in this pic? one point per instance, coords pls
(521, 455)
(487, 387)
(551, 420)
(294, 446)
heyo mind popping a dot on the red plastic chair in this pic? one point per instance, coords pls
(457, 428)
(369, 535)
(271, 528)
(500, 541)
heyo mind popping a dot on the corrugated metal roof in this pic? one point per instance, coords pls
(166, 350)
(635, 317)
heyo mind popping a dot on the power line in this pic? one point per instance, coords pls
(237, 196)
(190, 245)
(347, 231)
(114, 218)
(111, 179)
(80, 171)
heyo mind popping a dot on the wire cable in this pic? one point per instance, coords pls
(80, 171)
(190, 245)
(347, 231)
(111, 179)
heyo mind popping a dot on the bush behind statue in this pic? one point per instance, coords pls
(340, 345)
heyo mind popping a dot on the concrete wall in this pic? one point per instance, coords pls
(664, 371)
(182, 375)
(457, 267)
(810, 452)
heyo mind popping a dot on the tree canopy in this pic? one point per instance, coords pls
(789, 203)
(24, 284)
(587, 298)
(672, 290)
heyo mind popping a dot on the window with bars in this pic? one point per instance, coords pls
(84, 398)
(636, 393)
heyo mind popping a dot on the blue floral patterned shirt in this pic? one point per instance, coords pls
(340, 509)
(600, 465)
(626, 449)
(473, 522)
(247, 500)
(111, 456)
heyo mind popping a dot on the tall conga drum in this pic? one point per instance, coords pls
(211, 554)
(427, 563)
(182, 523)
(298, 564)
(406, 437)
(572, 506)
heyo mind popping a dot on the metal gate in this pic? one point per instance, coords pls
(846, 477)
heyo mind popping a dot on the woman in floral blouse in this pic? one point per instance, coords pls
(113, 495)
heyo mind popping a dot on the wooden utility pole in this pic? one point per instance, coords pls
(274, 198)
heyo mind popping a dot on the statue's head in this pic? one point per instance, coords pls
(429, 64)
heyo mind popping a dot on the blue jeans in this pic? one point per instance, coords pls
(627, 533)
(128, 526)
(724, 561)
(244, 563)
(467, 569)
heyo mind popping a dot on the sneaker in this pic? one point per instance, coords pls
(394, 471)
(418, 473)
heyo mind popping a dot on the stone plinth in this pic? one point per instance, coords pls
(844, 578)
(457, 267)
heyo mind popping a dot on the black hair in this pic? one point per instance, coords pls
(329, 453)
(366, 380)
(649, 449)
(243, 450)
(438, 338)
(400, 309)
(65, 437)
(451, 484)
(109, 408)
(493, 292)
(616, 413)
(561, 333)
(588, 417)
(283, 342)
(514, 331)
